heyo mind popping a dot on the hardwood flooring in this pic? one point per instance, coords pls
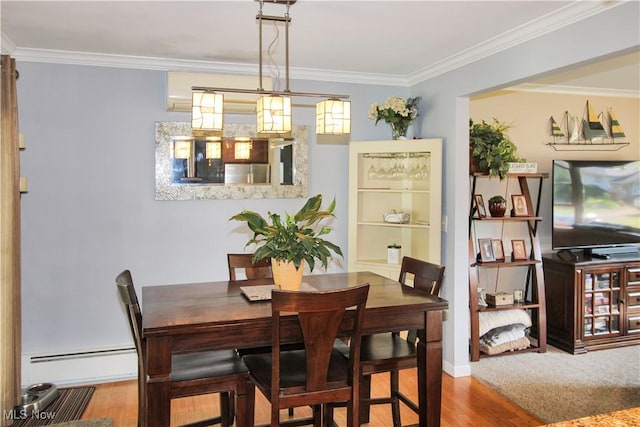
(465, 402)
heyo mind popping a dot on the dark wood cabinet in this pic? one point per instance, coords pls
(526, 219)
(592, 303)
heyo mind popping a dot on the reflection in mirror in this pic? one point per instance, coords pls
(237, 165)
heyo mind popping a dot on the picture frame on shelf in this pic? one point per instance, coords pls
(479, 201)
(486, 250)
(518, 250)
(498, 250)
(519, 203)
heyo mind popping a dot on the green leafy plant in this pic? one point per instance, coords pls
(497, 199)
(492, 148)
(292, 238)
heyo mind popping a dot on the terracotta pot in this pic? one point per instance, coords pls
(497, 208)
(285, 274)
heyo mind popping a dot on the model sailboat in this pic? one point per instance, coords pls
(554, 129)
(591, 126)
(571, 126)
(613, 126)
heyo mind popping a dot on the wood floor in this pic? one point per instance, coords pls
(465, 402)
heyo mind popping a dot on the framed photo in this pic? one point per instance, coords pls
(519, 251)
(519, 205)
(486, 250)
(498, 250)
(482, 212)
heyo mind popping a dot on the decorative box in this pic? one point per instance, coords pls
(499, 298)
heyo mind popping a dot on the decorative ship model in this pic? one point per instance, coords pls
(588, 133)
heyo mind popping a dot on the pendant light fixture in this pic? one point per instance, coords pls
(333, 117)
(207, 111)
(273, 108)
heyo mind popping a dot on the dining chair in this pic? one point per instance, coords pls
(319, 373)
(192, 374)
(257, 270)
(390, 352)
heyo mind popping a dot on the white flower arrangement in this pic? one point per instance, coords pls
(397, 112)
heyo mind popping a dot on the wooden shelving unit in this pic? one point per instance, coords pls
(534, 289)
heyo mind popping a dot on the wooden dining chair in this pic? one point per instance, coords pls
(259, 269)
(192, 374)
(319, 373)
(390, 352)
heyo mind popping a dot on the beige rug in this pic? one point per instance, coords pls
(557, 386)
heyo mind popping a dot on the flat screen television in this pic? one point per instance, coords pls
(596, 204)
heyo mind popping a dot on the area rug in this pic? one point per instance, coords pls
(69, 406)
(557, 386)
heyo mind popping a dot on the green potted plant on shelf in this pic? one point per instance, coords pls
(292, 240)
(490, 149)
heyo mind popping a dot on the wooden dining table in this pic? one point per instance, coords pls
(215, 315)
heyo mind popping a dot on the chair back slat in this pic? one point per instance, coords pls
(252, 270)
(321, 318)
(427, 278)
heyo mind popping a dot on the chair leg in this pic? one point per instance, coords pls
(394, 384)
(365, 395)
(327, 415)
(317, 415)
(225, 409)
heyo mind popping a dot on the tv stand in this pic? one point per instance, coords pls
(593, 303)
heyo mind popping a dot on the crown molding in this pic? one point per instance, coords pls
(567, 15)
(563, 17)
(164, 64)
(574, 90)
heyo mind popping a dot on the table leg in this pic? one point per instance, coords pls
(158, 390)
(430, 370)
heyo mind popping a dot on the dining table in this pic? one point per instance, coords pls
(216, 315)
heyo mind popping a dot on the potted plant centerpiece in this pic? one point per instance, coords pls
(490, 148)
(292, 240)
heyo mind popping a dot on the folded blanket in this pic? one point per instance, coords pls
(519, 344)
(495, 319)
(503, 334)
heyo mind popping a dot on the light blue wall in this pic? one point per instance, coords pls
(90, 211)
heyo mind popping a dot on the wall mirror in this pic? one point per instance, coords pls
(238, 165)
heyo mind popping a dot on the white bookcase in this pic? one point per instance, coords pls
(402, 175)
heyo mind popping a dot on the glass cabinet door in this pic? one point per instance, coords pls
(601, 303)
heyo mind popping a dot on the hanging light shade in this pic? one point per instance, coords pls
(333, 117)
(182, 148)
(213, 148)
(207, 111)
(274, 114)
(242, 150)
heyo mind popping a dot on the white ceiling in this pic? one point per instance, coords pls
(394, 42)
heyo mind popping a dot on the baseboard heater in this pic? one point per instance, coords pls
(81, 354)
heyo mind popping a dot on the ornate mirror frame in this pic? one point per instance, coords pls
(166, 190)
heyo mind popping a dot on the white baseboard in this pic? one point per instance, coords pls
(80, 367)
(456, 370)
